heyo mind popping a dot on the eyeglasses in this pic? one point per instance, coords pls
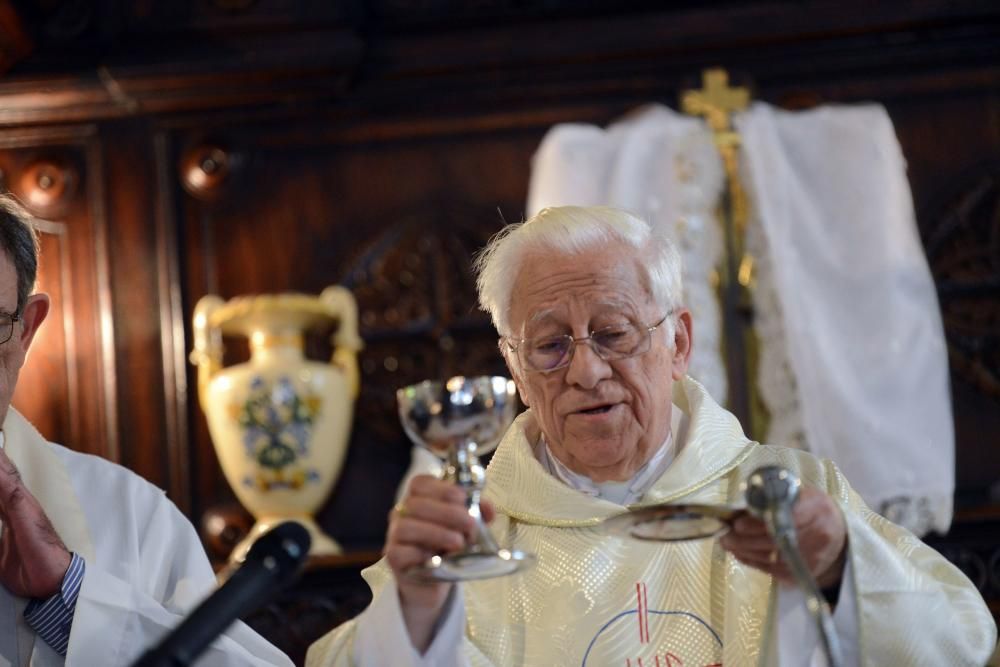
(7, 326)
(549, 353)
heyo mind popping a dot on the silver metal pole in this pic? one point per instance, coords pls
(771, 492)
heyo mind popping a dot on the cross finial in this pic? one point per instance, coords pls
(715, 100)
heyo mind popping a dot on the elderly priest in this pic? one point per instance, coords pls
(588, 305)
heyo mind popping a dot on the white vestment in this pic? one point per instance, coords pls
(853, 363)
(145, 567)
(598, 600)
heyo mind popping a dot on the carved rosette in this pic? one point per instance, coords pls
(207, 169)
(47, 185)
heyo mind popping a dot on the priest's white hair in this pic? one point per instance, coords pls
(568, 230)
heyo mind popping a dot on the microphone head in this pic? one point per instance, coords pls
(282, 550)
(771, 488)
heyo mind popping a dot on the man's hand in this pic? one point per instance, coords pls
(822, 536)
(430, 520)
(33, 560)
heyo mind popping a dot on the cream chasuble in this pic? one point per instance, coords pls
(594, 600)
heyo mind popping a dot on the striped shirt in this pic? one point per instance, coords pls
(52, 619)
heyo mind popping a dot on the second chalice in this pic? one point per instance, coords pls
(459, 420)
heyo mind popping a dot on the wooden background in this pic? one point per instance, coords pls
(184, 148)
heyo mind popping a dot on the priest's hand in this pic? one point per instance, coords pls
(822, 537)
(431, 519)
(33, 560)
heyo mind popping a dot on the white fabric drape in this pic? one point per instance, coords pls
(853, 354)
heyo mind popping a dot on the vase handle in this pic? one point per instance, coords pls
(346, 342)
(207, 353)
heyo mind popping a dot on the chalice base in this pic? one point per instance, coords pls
(469, 565)
(322, 544)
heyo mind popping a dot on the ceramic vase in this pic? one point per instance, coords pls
(279, 422)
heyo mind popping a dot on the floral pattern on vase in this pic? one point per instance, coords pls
(277, 424)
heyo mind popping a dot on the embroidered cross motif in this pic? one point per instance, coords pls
(661, 651)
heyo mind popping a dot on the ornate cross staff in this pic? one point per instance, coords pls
(716, 101)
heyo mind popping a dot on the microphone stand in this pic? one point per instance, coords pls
(771, 492)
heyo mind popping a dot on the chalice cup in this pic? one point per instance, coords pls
(459, 420)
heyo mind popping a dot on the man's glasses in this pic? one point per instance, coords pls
(7, 326)
(549, 353)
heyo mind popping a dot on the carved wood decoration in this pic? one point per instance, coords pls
(962, 239)
(418, 308)
(206, 168)
(964, 252)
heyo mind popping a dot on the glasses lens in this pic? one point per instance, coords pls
(6, 327)
(544, 354)
(621, 340)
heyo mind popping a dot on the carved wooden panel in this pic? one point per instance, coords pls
(962, 238)
(67, 385)
(964, 251)
(418, 307)
(330, 592)
(150, 376)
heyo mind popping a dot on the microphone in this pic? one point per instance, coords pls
(272, 563)
(771, 492)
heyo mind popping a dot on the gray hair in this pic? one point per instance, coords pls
(568, 230)
(19, 240)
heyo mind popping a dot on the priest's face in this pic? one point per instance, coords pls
(604, 419)
(13, 352)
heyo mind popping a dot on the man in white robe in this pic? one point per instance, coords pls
(96, 564)
(587, 304)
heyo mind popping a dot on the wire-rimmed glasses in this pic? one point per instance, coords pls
(7, 321)
(545, 354)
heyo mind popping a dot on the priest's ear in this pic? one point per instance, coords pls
(682, 344)
(510, 358)
(33, 314)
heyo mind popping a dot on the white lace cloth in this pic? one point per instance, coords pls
(853, 360)
(863, 328)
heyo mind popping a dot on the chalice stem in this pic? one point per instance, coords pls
(465, 470)
(463, 418)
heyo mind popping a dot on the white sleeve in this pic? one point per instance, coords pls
(115, 623)
(798, 637)
(382, 638)
(143, 581)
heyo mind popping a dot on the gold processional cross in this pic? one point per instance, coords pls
(716, 101)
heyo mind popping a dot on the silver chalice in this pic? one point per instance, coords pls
(459, 420)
